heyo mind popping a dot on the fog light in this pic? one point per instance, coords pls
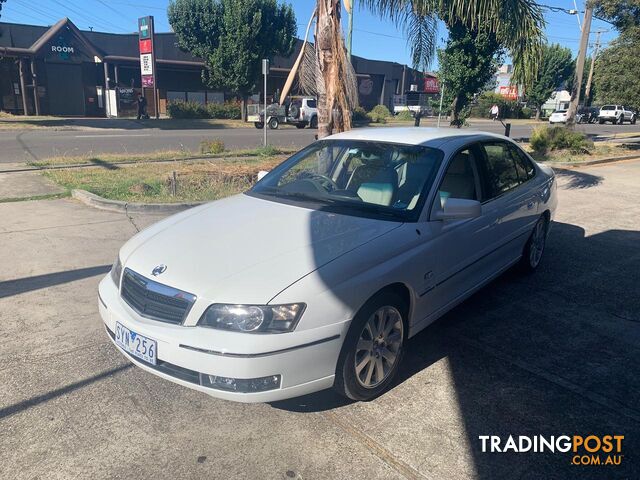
(241, 385)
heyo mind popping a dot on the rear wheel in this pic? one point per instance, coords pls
(301, 125)
(259, 125)
(534, 248)
(373, 348)
(601, 121)
(273, 123)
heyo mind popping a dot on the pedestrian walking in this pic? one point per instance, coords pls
(142, 107)
(495, 112)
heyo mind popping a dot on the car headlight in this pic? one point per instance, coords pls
(116, 272)
(253, 318)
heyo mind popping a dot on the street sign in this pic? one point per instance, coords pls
(146, 64)
(148, 57)
(145, 46)
(265, 66)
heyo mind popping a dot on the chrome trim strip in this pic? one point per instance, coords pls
(263, 354)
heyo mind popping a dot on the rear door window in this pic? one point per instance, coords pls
(501, 168)
(524, 166)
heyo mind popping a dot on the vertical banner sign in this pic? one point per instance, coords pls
(147, 53)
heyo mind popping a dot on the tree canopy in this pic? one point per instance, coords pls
(624, 14)
(555, 69)
(616, 72)
(232, 37)
(468, 62)
(518, 25)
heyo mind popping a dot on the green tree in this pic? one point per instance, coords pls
(232, 37)
(624, 14)
(556, 68)
(616, 71)
(468, 62)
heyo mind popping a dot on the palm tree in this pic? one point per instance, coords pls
(517, 25)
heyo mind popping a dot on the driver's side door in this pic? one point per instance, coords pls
(458, 249)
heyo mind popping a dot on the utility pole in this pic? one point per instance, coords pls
(587, 89)
(577, 83)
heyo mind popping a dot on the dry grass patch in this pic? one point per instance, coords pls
(153, 183)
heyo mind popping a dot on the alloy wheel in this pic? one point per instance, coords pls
(378, 347)
(538, 240)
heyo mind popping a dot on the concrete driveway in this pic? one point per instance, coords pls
(555, 353)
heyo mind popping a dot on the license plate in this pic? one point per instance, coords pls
(137, 345)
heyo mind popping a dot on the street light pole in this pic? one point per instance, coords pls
(577, 83)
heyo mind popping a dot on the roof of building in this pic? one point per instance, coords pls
(22, 38)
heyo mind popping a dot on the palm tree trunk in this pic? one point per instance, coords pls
(333, 114)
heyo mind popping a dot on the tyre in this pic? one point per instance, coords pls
(633, 120)
(301, 125)
(601, 121)
(259, 125)
(621, 119)
(534, 248)
(373, 348)
(314, 122)
(273, 123)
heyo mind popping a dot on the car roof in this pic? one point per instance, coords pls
(414, 135)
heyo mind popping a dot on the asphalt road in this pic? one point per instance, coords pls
(28, 145)
(553, 353)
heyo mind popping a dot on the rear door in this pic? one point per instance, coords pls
(509, 172)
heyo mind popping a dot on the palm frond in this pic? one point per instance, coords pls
(517, 24)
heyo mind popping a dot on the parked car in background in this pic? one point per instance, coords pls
(587, 115)
(616, 114)
(318, 275)
(559, 116)
(298, 111)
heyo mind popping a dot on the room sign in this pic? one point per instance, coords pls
(147, 51)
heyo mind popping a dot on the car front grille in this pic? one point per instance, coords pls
(154, 300)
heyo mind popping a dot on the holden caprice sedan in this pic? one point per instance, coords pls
(318, 275)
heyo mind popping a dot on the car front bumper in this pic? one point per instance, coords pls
(305, 360)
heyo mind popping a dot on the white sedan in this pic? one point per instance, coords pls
(318, 275)
(559, 116)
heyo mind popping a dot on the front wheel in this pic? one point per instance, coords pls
(621, 119)
(314, 122)
(601, 121)
(534, 247)
(258, 125)
(273, 123)
(373, 348)
(633, 120)
(300, 125)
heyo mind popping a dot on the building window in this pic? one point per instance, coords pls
(176, 96)
(196, 97)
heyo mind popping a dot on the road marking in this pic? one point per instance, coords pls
(115, 135)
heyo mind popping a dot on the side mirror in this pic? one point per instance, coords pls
(261, 174)
(459, 209)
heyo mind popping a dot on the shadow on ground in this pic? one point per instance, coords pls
(553, 353)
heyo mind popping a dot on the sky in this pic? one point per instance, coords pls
(373, 37)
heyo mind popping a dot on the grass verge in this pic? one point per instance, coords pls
(109, 160)
(153, 183)
(599, 152)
